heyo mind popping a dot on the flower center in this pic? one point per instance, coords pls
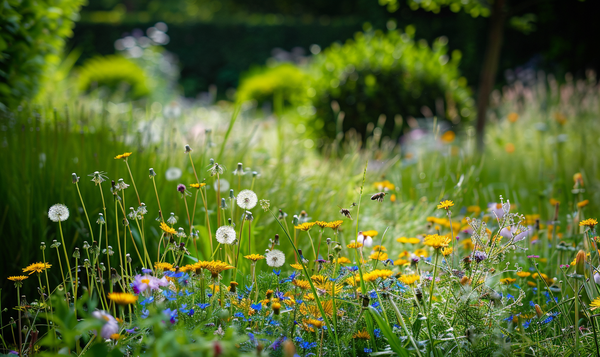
(146, 281)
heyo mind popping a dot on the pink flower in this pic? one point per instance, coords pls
(110, 327)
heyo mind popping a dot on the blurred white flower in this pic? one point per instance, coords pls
(225, 235)
(275, 258)
(365, 240)
(247, 199)
(224, 185)
(58, 213)
(173, 173)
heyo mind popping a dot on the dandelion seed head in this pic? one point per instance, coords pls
(173, 173)
(275, 258)
(58, 213)
(225, 235)
(247, 199)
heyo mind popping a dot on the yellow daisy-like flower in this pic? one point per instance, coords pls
(163, 266)
(437, 241)
(508, 280)
(371, 233)
(400, 262)
(296, 266)
(123, 156)
(447, 251)
(343, 260)
(305, 226)
(335, 224)
(554, 202)
(379, 248)
(321, 224)
(590, 222)
(381, 273)
(167, 229)
(122, 298)
(354, 245)
(37, 268)
(18, 278)
(595, 304)
(254, 257)
(531, 283)
(362, 335)
(583, 203)
(217, 267)
(409, 279)
(384, 185)
(445, 204)
(536, 275)
(513, 117)
(421, 253)
(198, 185)
(381, 256)
(474, 209)
(302, 284)
(115, 336)
(523, 274)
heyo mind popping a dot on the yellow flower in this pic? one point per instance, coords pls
(448, 137)
(509, 148)
(590, 222)
(167, 229)
(445, 204)
(595, 304)
(513, 117)
(354, 245)
(554, 202)
(163, 266)
(296, 266)
(380, 248)
(393, 197)
(508, 280)
(436, 241)
(302, 284)
(335, 224)
(578, 179)
(381, 273)
(400, 262)
(362, 335)
(447, 251)
(523, 274)
(37, 268)
(122, 298)
(217, 267)
(115, 336)
(321, 224)
(531, 283)
(583, 203)
(370, 233)
(305, 226)
(254, 257)
(384, 185)
(197, 185)
(474, 209)
(409, 279)
(343, 260)
(560, 118)
(123, 156)
(421, 253)
(18, 278)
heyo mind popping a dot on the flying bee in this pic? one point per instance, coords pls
(345, 212)
(378, 196)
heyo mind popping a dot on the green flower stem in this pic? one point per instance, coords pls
(68, 263)
(133, 182)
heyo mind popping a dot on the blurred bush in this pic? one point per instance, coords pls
(114, 76)
(32, 37)
(285, 80)
(387, 74)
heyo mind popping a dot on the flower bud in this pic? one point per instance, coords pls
(580, 263)
(188, 149)
(538, 311)
(276, 307)
(465, 280)
(152, 173)
(74, 177)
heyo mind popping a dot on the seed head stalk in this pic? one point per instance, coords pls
(203, 195)
(85, 211)
(157, 199)
(68, 263)
(48, 286)
(133, 182)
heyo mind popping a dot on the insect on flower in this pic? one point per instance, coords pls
(378, 196)
(345, 212)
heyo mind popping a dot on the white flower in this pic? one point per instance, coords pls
(173, 173)
(275, 258)
(58, 213)
(224, 185)
(365, 240)
(226, 235)
(110, 327)
(247, 199)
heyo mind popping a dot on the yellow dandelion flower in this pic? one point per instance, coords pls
(409, 279)
(509, 148)
(400, 262)
(123, 156)
(448, 137)
(590, 222)
(321, 224)
(445, 204)
(354, 245)
(163, 266)
(381, 256)
(37, 268)
(115, 336)
(578, 179)
(508, 280)
(595, 304)
(437, 241)
(254, 257)
(217, 267)
(362, 335)
(305, 226)
(18, 278)
(335, 224)
(167, 229)
(198, 185)
(474, 209)
(554, 202)
(531, 283)
(343, 260)
(393, 198)
(513, 117)
(296, 266)
(302, 284)
(447, 251)
(583, 203)
(370, 233)
(384, 185)
(404, 254)
(523, 274)
(122, 298)
(379, 248)
(381, 273)
(402, 240)
(421, 253)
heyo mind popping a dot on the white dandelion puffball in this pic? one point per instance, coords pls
(173, 173)
(226, 235)
(224, 185)
(247, 199)
(275, 258)
(58, 213)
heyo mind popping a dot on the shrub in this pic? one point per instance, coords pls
(31, 38)
(388, 74)
(261, 84)
(115, 74)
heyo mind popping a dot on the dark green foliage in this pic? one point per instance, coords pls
(389, 74)
(32, 35)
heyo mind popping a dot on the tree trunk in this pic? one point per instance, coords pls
(490, 67)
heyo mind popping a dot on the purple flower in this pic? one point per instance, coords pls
(533, 256)
(479, 256)
(145, 282)
(111, 325)
(181, 188)
(496, 208)
(171, 314)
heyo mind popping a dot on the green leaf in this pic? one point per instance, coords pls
(387, 332)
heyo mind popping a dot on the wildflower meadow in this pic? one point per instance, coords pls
(358, 199)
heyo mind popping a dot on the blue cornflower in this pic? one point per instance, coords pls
(145, 313)
(368, 350)
(373, 294)
(377, 332)
(526, 323)
(147, 301)
(169, 295)
(239, 314)
(277, 272)
(308, 345)
(171, 314)
(203, 306)
(146, 271)
(256, 307)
